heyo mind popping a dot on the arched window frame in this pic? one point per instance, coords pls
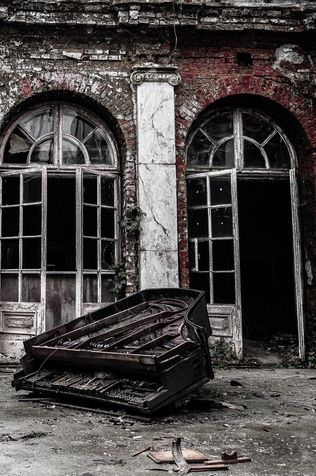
(239, 138)
(80, 173)
(57, 135)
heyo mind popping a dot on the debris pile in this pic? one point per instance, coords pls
(191, 461)
(141, 353)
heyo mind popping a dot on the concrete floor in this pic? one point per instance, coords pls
(275, 424)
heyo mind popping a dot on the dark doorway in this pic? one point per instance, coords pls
(266, 258)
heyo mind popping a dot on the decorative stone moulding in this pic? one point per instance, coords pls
(155, 74)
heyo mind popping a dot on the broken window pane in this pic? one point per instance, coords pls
(10, 221)
(76, 125)
(224, 288)
(90, 189)
(107, 254)
(39, 124)
(32, 220)
(10, 254)
(9, 287)
(44, 152)
(90, 288)
(32, 188)
(196, 192)
(201, 281)
(10, 190)
(252, 156)
(90, 253)
(90, 220)
(71, 153)
(224, 155)
(223, 255)
(31, 288)
(220, 126)
(198, 223)
(17, 148)
(107, 191)
(203, 255)
(107, 223)
(222, 224)
(199, 151)
(98, 149)
(278, 153)
(106, 291)
(31, 253)
(256, 127)
(220, 190)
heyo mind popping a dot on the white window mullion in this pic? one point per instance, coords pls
(79, 240)
(44, 244)
(20, 238)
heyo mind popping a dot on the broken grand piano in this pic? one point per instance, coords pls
(140, 353)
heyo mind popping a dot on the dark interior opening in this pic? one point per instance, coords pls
(61, 224)
(266, 258)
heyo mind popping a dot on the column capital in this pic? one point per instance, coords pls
(155, 73)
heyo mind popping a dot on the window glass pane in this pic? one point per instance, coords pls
(224, 155)
(224, 288)
(222, 224)
(10, 221)
(98, 148)
(107, 223)
(278, 153)
(90, 288)
(61, 299)
(31, 253)
(76, 125)
(10, 254)
(256, 127)
(201, 281)
(203, 255)
(39, 124)
(198, 223)
(71, 153)
(220, 126)
(199, 151)
(90, 189)
(220, 188)
(107, 254)
(31, 288)
(106, 291)
(252, 156)
(90, 253)
(32, 188)
(196, 191)
(223, 255)
(32, 220)
(90, 221)
(17, 148)
(10, 190)
(107, 192)
(9, 287)
(44, 152)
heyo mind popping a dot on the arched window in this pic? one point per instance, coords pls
(240, 139)
(59, 209)
(60, 135)
(242, 209)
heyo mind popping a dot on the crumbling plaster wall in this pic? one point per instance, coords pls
(89, 48)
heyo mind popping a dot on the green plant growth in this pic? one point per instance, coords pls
(117, 283)
(131, 221)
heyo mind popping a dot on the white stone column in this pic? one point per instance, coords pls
(158, 259)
